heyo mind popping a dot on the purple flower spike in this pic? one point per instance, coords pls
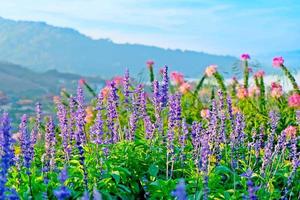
(180, 192)
(7, 157)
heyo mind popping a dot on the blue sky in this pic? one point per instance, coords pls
(222, 27)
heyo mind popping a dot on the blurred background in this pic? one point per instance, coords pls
(48, 45)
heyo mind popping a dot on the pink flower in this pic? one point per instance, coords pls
(278, 61)
(259, 74)
(205, 113)
(254, 91)
(82, 81)
(211, 70)
(185, 88)
(245, 56)
(242, 92)
(105, 91)
(290, 131)
(150, 63)
(294, 100)
(177, 78)
(161, 71)
(276, 90)
(118, 80)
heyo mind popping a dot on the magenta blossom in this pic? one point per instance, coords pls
(245, 56)
(294, 100)
(150, 63)
(278, 61)
(259, 74)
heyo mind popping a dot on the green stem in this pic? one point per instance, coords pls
(246, 75)
(221, 83)
(199, 85)
(291, 77)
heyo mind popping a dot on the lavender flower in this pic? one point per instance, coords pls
(126, 85)
(113, 91)
(195, 135)
(112, 114)
(71, 119)
(63, 192)
(63, 124)
(26, 147)
(157, 106)
(165, 87)
(171, 124)
(7, 158)
(269, 146)
(250, 185)
(96, 194)
(149, 128)
(179, 193)
(80, 117)
(48, 157)
(36, 131)
(183, 137)
(97, 129)
(230, 112)
(205, 152)
(80, 132)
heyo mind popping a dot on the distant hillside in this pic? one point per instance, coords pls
(17, 81)
(42, 47)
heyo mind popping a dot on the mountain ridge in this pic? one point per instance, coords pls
(41, 47)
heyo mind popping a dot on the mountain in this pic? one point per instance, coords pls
(41, 47)
(19, 82)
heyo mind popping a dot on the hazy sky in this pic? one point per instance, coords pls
(223, 27)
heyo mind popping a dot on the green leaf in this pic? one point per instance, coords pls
(153, 170)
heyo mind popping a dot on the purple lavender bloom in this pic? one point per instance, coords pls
(165, 87)
(221, 99)
(157, 106)
(179, 193)
(111, 115)
(269, 146)
(114, 91)
(80, 117)
(96, 194)
(36, 131)
(230, 112)
(195, 135)
(49, 156)
(205, 152)
(85, 196)
(26, 147)
(183, 136)
(63, 192)
(296, 164)
(126, 85)
(80, 132)
(177, 109)
(171, 124)
(71, 119)
(97, 129)
(132, 126)
(63, 124)
(149, 128)
(250, 185)
(281, 143)
(7, 157)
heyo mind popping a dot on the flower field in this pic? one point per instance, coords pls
(166, 140)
